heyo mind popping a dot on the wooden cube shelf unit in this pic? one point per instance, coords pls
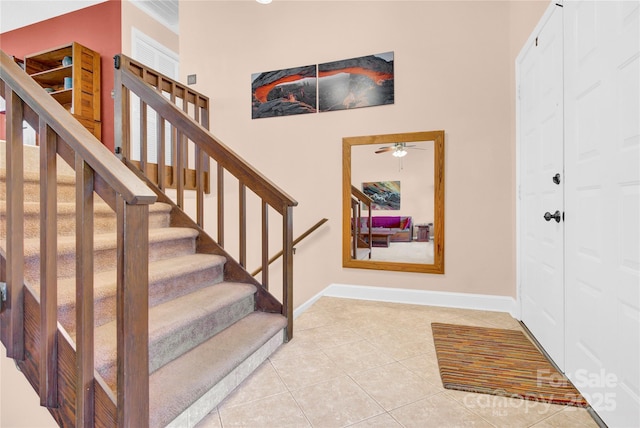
(82, 100)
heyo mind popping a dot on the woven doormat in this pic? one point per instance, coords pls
(499, 362)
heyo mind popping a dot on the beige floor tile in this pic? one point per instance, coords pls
(212, 420)
(336, 403)
(403, 350)
(314, 319)
(308, 369)
(425, 367)
(330, 336)
(302, 343)
(505, 412)
(437, 411)
(393, 385)
(570, 417)
(357, 356)
(262, 383)
(384, 420)
(275, 411)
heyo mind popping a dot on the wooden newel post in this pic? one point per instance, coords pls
(287, 262)
(133, 314)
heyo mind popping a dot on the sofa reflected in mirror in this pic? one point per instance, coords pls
(406, 234)
(394, 227)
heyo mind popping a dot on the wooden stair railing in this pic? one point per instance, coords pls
(186, 112)
(296, 241)
(357, 199)
(97, 170)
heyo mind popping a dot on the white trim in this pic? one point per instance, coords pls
(306, 305)
(417, 297)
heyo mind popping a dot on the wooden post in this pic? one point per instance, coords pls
(132, 314)
(265, 245)
(242, 222)
(287, 263)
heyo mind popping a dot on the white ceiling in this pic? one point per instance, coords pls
(20, 13)
(164, 11)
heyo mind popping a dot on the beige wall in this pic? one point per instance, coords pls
(454, 71)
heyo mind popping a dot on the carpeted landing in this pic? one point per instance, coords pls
(499, 362)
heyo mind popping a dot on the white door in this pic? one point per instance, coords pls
(602, 195)
(158, 57)
(540, 115)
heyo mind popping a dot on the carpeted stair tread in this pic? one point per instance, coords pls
(163, 243)
(31, 188)
(174, 387)
(104, 241)
(104, 217)
(180, 324)
(167, 280)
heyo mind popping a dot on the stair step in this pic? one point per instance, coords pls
(163, 243)
(179, 325)
(167, 280)
(104, 218)
(66, 186)
(185, 390)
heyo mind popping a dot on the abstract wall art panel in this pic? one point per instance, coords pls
(384, 194)
(283, 92)
(357, 82)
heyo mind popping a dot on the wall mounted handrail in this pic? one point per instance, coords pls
(189, 134)
(96, 170)
(295, 242)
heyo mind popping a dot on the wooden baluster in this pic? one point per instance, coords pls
(180, 169)
(174, 139)
(48, 267)
(220, 194)
(132, 322)
(242, 222)
(265, 245)
(143, 137)
(199, 173)
(185, 146)
(287, 263)
(15, 224)
(160, 145)
(84, 294)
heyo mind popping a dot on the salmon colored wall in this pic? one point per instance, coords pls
(97, 27)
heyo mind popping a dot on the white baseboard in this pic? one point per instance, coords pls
(417, 297)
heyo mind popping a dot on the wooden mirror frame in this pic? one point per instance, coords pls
(438, 221)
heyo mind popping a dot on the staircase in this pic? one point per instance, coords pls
(120, 309)
(205, 336)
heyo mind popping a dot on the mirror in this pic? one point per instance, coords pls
(393, 202)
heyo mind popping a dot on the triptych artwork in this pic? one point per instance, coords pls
(340, 85)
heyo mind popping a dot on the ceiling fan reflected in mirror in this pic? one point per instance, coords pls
(398, 149)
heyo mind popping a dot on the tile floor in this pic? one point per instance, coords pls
(355, 363)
